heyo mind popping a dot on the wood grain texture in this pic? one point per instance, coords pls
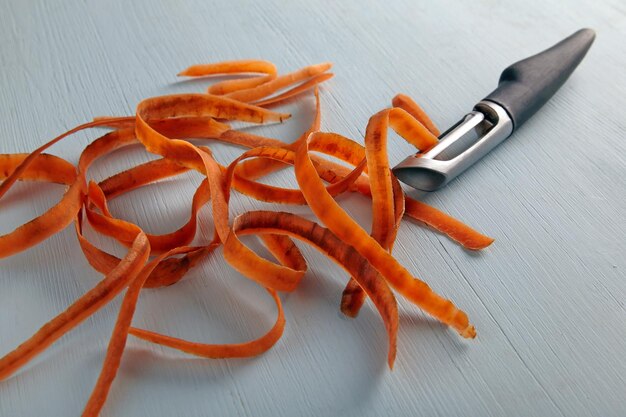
(548, 298)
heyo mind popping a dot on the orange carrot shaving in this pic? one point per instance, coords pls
(15, 167)
(233, 67)
(456, 230)
(283, 81)
(168, 126)
(233, 350)
(340, 223)
(126, 270)
(342, 253)
(46, 168)
(387, 197)
(312, 82)
(406, 103)
(120, 334)
(229, 67)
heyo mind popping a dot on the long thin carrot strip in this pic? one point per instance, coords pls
(406, 103)
(117, 342)
(82, 308)
(233, 67)
(113, 122)
(229, 67)
(353, 296)
(280, 82)
(444, 223)
(45, 167)
(232, 350)
(15, 175)
(199, 105)
(139, 176)
(181, 105)
(229, 86)
(178, 127)
(299, 89)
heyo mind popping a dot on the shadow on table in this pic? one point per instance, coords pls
(419, 324)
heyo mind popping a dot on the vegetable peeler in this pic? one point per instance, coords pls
(523, 88)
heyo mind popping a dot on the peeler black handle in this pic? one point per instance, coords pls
(528, 84)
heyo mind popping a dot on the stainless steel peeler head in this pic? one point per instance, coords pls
(524, 87)
(458, 148)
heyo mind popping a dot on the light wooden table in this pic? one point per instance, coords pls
(547, 298)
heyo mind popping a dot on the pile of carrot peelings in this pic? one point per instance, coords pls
(163, 126)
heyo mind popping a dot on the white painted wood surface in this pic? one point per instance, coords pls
(547, 298)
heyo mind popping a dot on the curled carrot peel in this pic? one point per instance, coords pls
(56, 218)
(215, 351)
(164, 126)
(168, 271)
(340, 223)
(46, 168)
(387, 197)
(257, 168)
(343, 254)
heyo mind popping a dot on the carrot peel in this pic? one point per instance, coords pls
(326, 165)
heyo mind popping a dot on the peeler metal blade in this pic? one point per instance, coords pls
(524, 87)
